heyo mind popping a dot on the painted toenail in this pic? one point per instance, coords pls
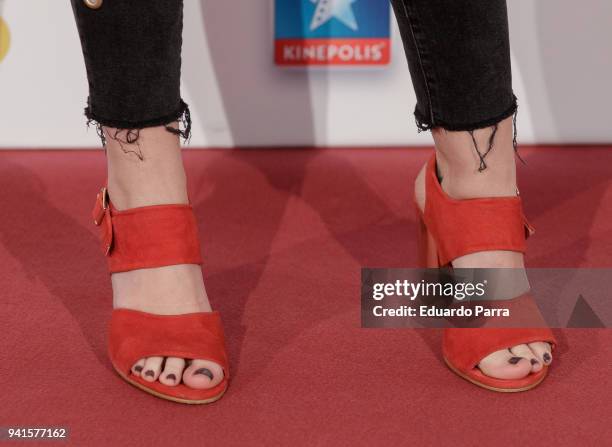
(171, 377)
(204, 372)
(534, 362)
(546, 357)
(515, 360)
(149, 373)
(137, 368)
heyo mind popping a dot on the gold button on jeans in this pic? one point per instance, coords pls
(93, 4)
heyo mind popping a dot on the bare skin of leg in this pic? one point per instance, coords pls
(151, 173)
(458, 164)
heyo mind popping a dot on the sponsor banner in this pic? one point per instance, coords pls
(332, 32)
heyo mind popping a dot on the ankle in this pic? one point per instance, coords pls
(494, 183)
(129, 194)
(146, 172)
(459, 163)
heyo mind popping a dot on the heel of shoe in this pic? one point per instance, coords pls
(427, 251)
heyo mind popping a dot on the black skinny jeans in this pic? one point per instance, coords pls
(458, 54)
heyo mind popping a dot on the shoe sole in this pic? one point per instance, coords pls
(170, 398)
(492, 388)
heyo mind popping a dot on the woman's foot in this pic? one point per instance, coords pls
(171, 290)
(460, 179)
(150, 172)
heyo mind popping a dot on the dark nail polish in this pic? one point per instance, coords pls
(137, 368)
(149, 373)
(205, 372)
(171, 377)
(546, 357)
(515, 360)
(534, 362)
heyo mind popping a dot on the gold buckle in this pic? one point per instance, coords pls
(102, 205)
(104, 193)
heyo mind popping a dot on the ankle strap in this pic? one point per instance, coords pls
(460, 227)
(148, 236)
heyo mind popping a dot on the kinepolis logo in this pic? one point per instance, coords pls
(332, 32)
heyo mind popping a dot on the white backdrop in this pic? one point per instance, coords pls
(561, 54)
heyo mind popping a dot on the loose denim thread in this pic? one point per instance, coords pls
(422, 127)
(132, 136)
(184, 129)
(514, 141)
(481, 156)
(99, 130)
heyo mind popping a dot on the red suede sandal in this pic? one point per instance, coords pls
(148, 237)
(450, 228)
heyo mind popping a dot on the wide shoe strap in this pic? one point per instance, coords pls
(460, 227)
(134, 335)
(148, 236)
(466, 347)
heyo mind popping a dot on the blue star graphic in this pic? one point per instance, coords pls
(329, 9)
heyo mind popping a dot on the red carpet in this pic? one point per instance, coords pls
(285, 233)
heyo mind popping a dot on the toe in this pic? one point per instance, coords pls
(138, 366)
(152, 368)
(542, 351)
(202, 374)
(173, 371)
(525, 352)
(505, 365)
